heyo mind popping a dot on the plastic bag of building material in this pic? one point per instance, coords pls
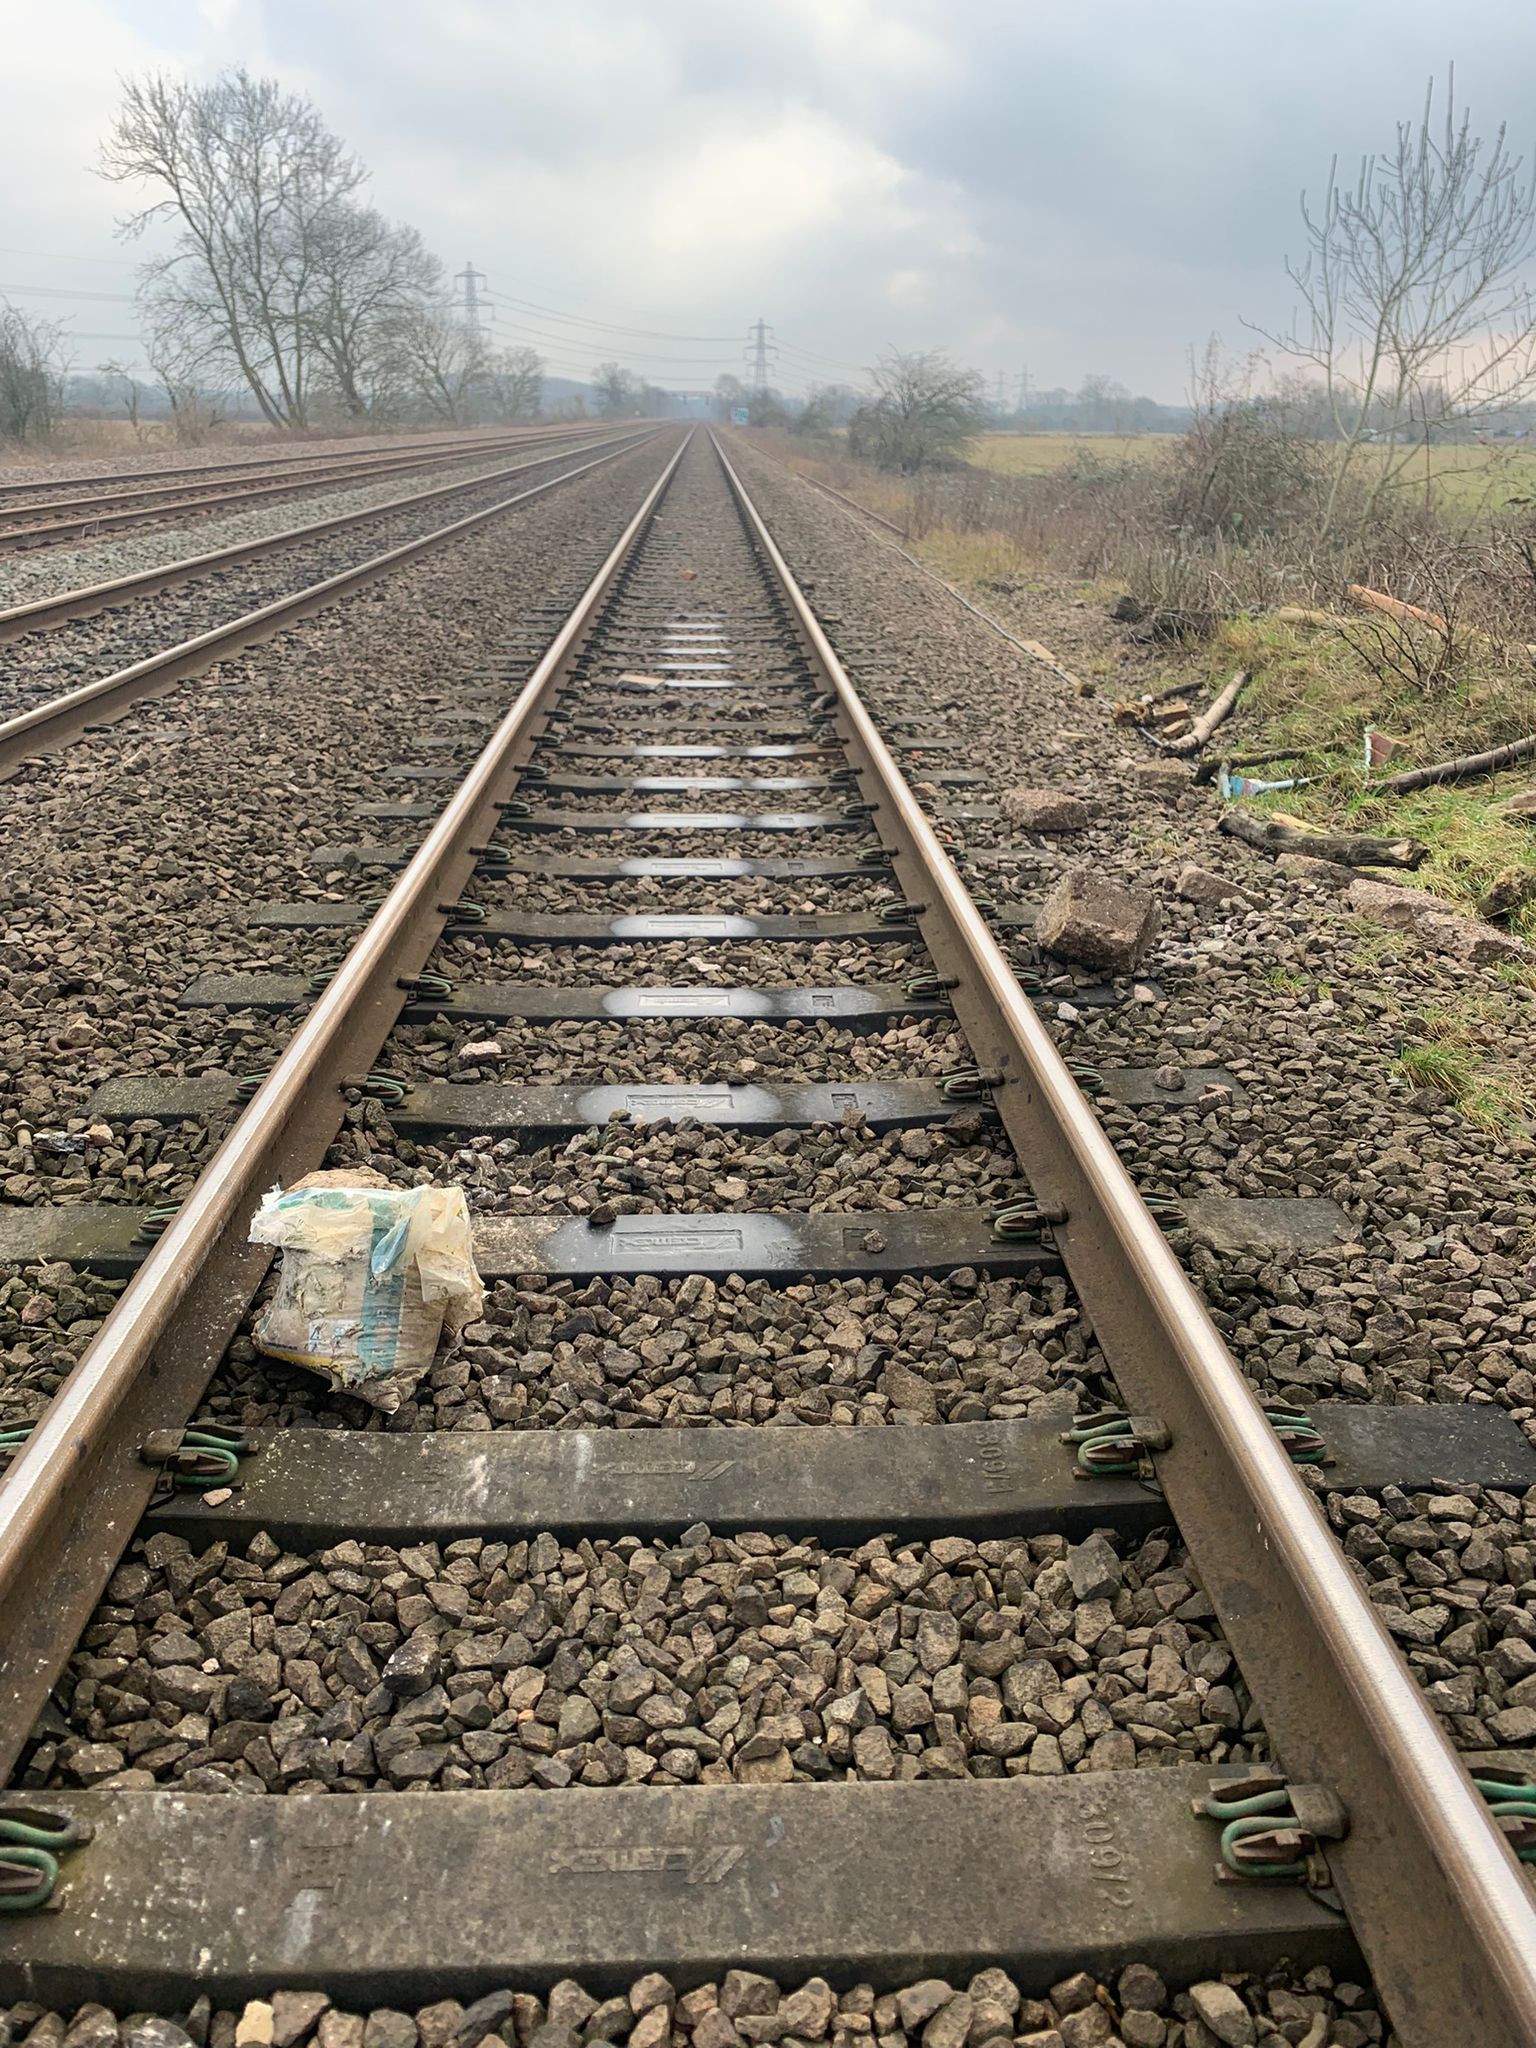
(370, 1276)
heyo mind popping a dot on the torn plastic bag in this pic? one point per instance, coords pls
(370, 1275)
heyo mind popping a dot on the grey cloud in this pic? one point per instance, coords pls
(1097, 187)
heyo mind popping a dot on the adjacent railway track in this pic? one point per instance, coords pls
(694, 699)
(270, 457)
(57, 720)
(35, 522)
(40, 613)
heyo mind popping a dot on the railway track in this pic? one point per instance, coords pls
(54, 720)
(65, 607)
(269, 458)
(33, 522)
(841, 1674)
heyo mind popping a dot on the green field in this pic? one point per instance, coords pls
(1470, 478)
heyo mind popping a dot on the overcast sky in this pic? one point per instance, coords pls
(1067, 188)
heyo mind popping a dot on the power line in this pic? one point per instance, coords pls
(56, 256)
(53, 291)
(610, 326)
(604, 350)
(812, 355)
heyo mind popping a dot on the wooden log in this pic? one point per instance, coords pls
(1395, 608)
(1303, 615)
(1464, 768)
(1351, 850)
(1048, 660)
(1415, 615)
(1219, 712)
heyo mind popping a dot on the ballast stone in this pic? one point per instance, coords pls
(1220, 2009)
(1044, 810)
(1097, 922)
(1202, 885)
(1327, 874)
(1162, 778)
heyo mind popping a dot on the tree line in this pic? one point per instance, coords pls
(280, 280)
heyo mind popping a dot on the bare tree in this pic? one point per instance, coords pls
(618, 391)
(514, 383)
(730, 393)
(925, 409)
(818, 415)
(1102, 404)
(1251, 462)
(32, 371)
(128, 391)
(187, 365)
(1417, 313)
(253, 179)
(440, 362)
(366, 275)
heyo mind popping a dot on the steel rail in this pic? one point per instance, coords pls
(71, 1500)
(853, 504)
(90, 598)
(274, 459)
(134, 509)
(1440, 1906)
(52, 724)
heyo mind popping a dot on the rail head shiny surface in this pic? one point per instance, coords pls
(1484, 1887)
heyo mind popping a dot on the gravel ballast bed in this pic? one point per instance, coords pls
(742, 896)
(672, 1052)
(1301, 999)
(730, 963)
(205, 801)
(697, 1353)
(47, 572)
(715, 1660)
(63, 657)
(259, 449)
(1134, 2006)
(689, 1168)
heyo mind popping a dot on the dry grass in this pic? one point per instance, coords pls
(1039, 454)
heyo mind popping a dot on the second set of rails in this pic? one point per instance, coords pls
(693, 699)
(104, 505)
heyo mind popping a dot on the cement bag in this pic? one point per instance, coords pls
(369, 1276)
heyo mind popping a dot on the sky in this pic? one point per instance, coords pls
(1043, 190)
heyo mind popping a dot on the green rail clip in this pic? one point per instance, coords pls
(1272, 1832)
(32, 1839)
(192, 1460)
(1112, 1444)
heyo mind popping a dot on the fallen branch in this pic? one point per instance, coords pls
(1300, 615)
(1395, 608)
(1414, 615)
(1464, 768)
(1350, 850)
(1207, 722)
